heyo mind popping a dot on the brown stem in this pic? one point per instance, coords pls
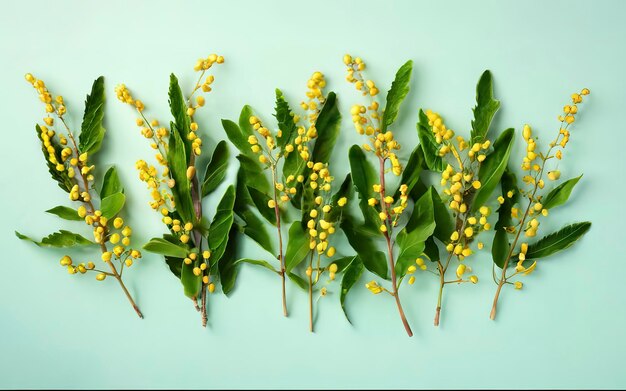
(280, 241)
(392, 267)
(205, 318)
(119, 279)
(442, 273)
(311, 303)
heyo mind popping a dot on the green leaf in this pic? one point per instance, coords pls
(112, 205)
(227, 266)
(216, 169)
(65, 213)
(444, 224)
(337, 211)
(244, 122)
(342, 263)
(261, 200)
(284, 116)
(412, 238)
(493, 167)
(500, 247)
(429, 145)
(91, 130)
(327, 125)
(431, 250)
(191, 282)
(412, 171)
(221, 224)
(364, 177)
(111, 183)
(301, 282)
(257, 262)
(63, 180)
(508, 183)
(177, 162)
(59, 239)
(297, 246)
(398, 91)
(234, 134)
(557, 241)
(252, 174)
(350, 276)
(175, 265)
(178, 107)
(373, 260)
(256, 230)
(486, 107)
(167, 248)
(560, 194)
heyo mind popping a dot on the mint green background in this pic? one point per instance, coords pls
(565, 329)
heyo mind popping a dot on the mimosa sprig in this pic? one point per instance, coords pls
(194, 247)
(515, 218)
(69, 162)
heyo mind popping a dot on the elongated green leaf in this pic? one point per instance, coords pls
(244, 121)
(342, 263)
(111, 183)
(177, 162)
(493, 167)
(300, 282)
(412, 239)
(257, 262)
(239, 140)
(62, 238)
(65, 213)
(91, 130)
(112, 205)
(508, 183)
(486, 107)
(261, 200)
(167, 248)
(444, 224)
(431, 250)
(373, 260)
(398, 91)
(227, 266)
(350, 276)
(500, 247)
(337, 211)
(560, 194)
(412, 171)
(297, 246)
(284, 116)
(252, 174)
(557, 241)
(256, 230)
(327, 125)
(429, 145)
(178, 107)
(216, 169)
(191, 282)
(63, 180)
(175, 265)
(221, 225)
(364, 177)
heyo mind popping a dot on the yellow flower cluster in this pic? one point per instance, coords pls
(459, 244)
(202, 269)
(180, 229)
(367, 120)
(319, 229)
(158, 184)
(388, 209)
(53, 105)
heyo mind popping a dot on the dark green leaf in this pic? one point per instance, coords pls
(344, 191)
(261, 200)
(111, 183)
(557, 241)
(493, 167)
(297, 246)
(284, 116)
(444, 223)
(342, 263)
(429, 145)
(412, 171)
(91, 130)
(59, 239)
(327, 125)
(264, 264)
(178, 107)
(239, 140)
(112, 205)
(350, 277)
(500, 247)
(221, 225)
(508, 183)
(373, 260)
(301, 282)
(65, 213)
(486, 107)
(412, 239)
(431, 250)
(364, 178)
(560, 194)
(252, 174)
(175, 265)
(398, 91)
(167, 248)
(191, 282)
(227, 266)
(216, 169)
(177, 162)
(256, 230)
